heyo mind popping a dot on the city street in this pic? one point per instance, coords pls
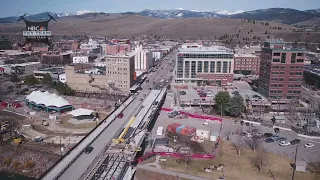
(81, 164)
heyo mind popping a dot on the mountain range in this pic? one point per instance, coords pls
(281, 15)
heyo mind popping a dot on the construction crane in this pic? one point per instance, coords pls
(124, 132)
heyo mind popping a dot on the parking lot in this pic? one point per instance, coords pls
(191, 94)
(304, 154)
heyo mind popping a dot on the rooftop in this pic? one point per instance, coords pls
(195, 48)
(28, 63)
(245, 55)
(53, 69)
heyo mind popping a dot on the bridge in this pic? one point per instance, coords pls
(116, 142)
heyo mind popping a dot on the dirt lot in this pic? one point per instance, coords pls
(65, 124)
(142, 174)
(15, 119)
(238, 167)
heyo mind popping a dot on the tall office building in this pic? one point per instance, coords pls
(281, 70)
(198, 63)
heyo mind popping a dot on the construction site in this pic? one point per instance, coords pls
(115, 163)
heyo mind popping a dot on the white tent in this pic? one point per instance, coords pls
(80, 112)
(47, 99)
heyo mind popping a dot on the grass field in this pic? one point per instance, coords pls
(238, 167)
(142, 174)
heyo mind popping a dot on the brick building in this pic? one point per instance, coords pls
(246, 64)
(116, 76)
(281, 71)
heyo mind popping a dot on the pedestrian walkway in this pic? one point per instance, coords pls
(171, 173)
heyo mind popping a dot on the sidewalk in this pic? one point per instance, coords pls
(171, 173)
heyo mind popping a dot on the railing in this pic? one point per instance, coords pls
(82, 145)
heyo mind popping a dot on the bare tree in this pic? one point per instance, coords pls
(227, 133)
(259, 159)
(238, 145)
(315, 168)
(185, 158)
(253, 143)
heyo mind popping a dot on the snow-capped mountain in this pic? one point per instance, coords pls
(77, 13)
(180, 13)
(225, 12)
(284, 15)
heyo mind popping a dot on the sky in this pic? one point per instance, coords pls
(14, 7)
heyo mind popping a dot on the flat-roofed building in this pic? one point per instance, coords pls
(143, 59)
(54, 72)
(281, 71)
(116, 76)
(57, 58)
(80, 59)
(198, 63)
(25, 68)
(247, 64)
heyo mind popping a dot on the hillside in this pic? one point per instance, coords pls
(186, 28)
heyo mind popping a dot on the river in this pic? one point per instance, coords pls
(10, 176)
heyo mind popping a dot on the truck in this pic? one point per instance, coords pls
(160, 131)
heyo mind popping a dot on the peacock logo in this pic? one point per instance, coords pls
(42, 28)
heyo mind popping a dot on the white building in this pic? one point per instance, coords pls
(143, 59)
(198, 63)
(88, 47)
(203, 134)
(157, 55)
(80, 59)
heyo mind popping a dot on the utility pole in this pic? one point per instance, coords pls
(295, 160)
(60, 147)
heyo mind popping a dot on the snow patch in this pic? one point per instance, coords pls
(180, 9)
(179, 15)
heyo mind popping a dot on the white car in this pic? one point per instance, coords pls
(249, 135)
(308, 145)
(283, 143)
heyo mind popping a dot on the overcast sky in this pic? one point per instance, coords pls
(13, 7)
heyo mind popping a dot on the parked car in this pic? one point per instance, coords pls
(88, 150)
(295, 141)
(249, 135)
(247, 124)
(275, 137)
(243, 133)
(258, 134)
(276, 130)
(283, 143)
(242, 122)
(141, 99)
(269, 140)
(309, 145)
(236, 121)
(267, 135)
(281, 139)
(120, 115)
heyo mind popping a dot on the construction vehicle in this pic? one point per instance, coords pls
(45, 123)
(124, 132)
(18, 139)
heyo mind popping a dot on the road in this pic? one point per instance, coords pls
(86, 161)
(304, 154)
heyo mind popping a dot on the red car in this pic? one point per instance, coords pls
(120, 115)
